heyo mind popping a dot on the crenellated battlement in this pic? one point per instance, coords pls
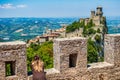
(70, 60)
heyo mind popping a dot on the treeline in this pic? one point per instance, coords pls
(45, 51)
(75, 25)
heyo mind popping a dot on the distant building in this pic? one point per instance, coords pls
(47, 36)
(76, 33)
(96, 17)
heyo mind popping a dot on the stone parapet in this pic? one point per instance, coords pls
(70, 53)
(70, 61)
(13, 61)
(12, 45)
(112, 49)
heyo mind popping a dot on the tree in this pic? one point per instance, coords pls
(91, 31)
(92, 51)
(98, 30)
(98, 38)
(90, 24)
(75, 25)
(45, 51)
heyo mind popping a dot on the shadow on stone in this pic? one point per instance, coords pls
(88, 65)
(30, 73)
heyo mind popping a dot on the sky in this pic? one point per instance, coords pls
(57, 8)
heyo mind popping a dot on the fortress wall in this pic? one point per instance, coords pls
(70, 60)
(96, 20)
(70, 53)
(76, 33)
(107, 70)
(112, 49)
(13, 54)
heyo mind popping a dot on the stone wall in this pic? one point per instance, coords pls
(14, 54)
(107, 70)
(66, 48)
(112, 49)
(76, 33)
(70, 60)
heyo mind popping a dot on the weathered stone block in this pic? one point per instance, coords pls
(70, 52)
(13, 54)
(112, 49)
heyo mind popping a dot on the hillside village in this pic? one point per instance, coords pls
(48, 36)
(98, 21)
(93, 28)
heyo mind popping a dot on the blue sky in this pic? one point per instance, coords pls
(57, 8)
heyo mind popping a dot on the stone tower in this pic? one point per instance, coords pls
(99, 11)
(92, 14)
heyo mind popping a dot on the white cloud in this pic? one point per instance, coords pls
(21, 6)
(11, 6)
(7, 6)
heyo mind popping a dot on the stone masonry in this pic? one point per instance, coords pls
(15, 54)
(66, 48)
(107, 70)
(70, 60)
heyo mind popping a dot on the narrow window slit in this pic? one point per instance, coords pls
(10, 68)
(72, 60)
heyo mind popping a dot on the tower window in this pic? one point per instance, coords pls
(10, 68)
(72, 60)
